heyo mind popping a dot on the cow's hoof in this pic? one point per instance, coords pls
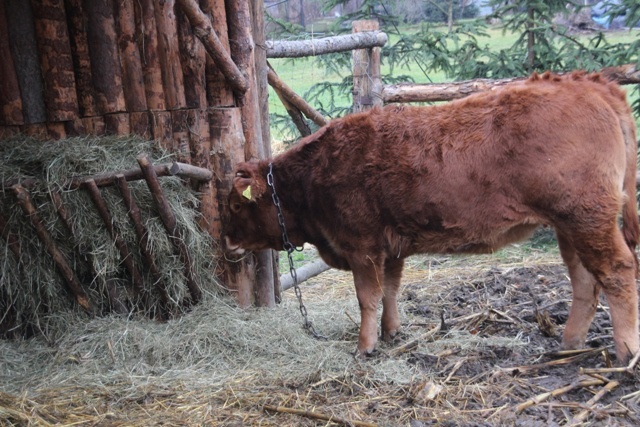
(359, 354)
(395, 337)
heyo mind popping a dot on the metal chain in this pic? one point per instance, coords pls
(290, 249)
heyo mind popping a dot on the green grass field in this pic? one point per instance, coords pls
(302, 73)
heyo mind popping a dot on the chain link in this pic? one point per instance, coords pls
(289, 248)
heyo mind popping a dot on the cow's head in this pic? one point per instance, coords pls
(252, 221)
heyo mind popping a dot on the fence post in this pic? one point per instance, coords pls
(367, 85)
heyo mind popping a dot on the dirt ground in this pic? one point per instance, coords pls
(478, 348)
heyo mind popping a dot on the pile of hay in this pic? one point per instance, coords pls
(31, 287)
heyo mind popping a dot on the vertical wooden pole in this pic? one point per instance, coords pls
(367, 84)
(161, 129)
(193, 59)
(132, 76)
(10, 100)
(169, 54)
(78, 23)
(55, 59)
(181, 121)
(228, 144)
(105, 58)
(147, 38)
(218, 92)
(22, 39)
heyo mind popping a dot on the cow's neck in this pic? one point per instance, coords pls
(283, 190)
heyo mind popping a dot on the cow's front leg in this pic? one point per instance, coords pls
(368, 279)
(390, 317)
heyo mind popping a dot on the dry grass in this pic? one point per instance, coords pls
(219, 365)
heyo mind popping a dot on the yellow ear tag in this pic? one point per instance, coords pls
(247, 193)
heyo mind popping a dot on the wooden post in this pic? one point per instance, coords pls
(171, 225)
(161, 129)
(180, 123)
(242, 52)
(55, 59)
(219, 93)
(105, 58)
(367, 84)
(22, 39)
(78, 22)
(132, 76)
(10, 100)
(147, 38)
(227, 143)
(24, 200)
(193, 57)
(169, 54)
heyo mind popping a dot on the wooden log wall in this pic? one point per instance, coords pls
(76, 67)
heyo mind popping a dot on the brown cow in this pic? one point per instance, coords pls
(469, 176)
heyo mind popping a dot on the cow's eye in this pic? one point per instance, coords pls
(235, 207)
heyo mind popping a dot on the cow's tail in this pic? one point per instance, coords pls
(630, 225)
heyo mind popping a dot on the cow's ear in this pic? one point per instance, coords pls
(247, 182)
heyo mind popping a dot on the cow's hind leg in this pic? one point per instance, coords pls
(390, 317)
(606, 256)
(585, 297)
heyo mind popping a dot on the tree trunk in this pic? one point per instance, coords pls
(147, 37)
(78, 39)
(50, 22)
(218, 92)
(22, 39)
(10, 100)
(132, 75)
(169, 54)
(105, 59)
(193, 59)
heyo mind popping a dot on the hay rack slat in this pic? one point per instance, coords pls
(151, 174)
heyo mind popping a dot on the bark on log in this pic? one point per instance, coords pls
(55, 59)
(171, 225)
(281, 88)
(193, 58)
(169, 54)
(78, 38)
(219, 93)
(10, 99)
(132, 75)
(55, 130)
(74, 127)
(147, 38)
(125, 255)
(105, 59)
(367, 83)
(300, 48)
(143, 242)
(94, 125)
(304, 273)
(205, 32)
(24, 200)
(22, 39)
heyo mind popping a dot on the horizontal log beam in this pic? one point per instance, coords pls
(303, 273)
(182, 170)
(434, 92)
(300, 48)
